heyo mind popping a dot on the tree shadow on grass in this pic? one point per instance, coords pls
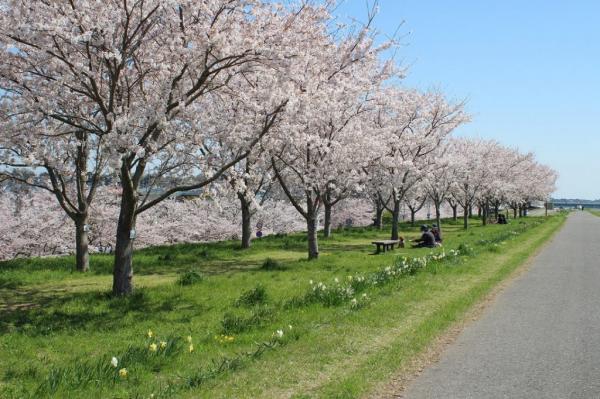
(98, 311)
(9, 284)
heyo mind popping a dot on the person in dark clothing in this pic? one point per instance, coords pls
(435, 230)
(501, 219)
(427, 239)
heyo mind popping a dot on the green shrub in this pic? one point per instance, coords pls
(465, 250)
(168, 257)
(252, 297)
(495, 248)
(234, 324)
(139, 299)
(332, 295)
(189, 277)
(205, 252)
(272, 264)
(231, 324)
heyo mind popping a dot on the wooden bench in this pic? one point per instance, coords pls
(387, 245)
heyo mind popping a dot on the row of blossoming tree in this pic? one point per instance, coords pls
(248, 98)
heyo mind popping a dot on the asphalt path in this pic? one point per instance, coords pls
(540, 338)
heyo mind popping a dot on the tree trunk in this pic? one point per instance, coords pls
(466, 217)
(395, 220)
(246, 221)
(327, 223)
(496, 210)
(378, 221)
(470, 211)
(479, 212)
(82, 255)
(313, 243)
(483, 212)
(123, 268)
(438, 217)
(413, 214)
(312, 221)
(514, 212)
(454, 212)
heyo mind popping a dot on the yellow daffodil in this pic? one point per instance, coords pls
(163, 344)
(224, 338)
(123, 373)
(191, 348)
(189, 339)
(150, 334)
(153, 347)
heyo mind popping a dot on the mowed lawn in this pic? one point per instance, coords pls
(232, 323)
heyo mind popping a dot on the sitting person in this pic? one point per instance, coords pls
(427, 239)
(435, 230)
(502, 219)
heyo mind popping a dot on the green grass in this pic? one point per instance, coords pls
(59, 329)
(595, 212)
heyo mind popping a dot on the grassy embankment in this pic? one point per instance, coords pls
(595, 212)
(59, 329)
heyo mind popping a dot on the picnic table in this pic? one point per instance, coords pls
(387, 245)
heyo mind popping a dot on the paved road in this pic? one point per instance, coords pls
(541, 336)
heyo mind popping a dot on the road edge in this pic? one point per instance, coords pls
(396, 385)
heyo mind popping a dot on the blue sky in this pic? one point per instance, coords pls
(530, 71)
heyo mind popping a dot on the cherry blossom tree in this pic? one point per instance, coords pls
(501, 167)
(439, 180)
(531, 181)
(47, 141)
(378, 207)
(469, 161)
(415, 200)
(251, 181)
(32, 224)
(353, 212)
(453, 205)
(487, 173)
(321, 156)
(165, 97)
(354, 159)
(377, 188)
(412, 125)
(145, 78)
